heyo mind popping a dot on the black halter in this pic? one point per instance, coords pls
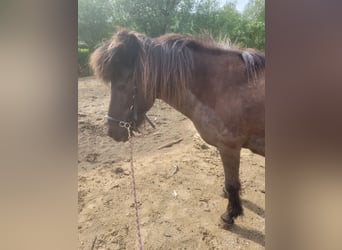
(130, 124)
(123, 124)
(127, 124)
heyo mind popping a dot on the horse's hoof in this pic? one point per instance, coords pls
(226, 218)
(224, 193)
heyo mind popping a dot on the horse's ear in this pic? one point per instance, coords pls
(111, 56)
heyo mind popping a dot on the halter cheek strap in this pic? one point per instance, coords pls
(130, 125)
(122, 124)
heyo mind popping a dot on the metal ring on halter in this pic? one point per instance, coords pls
(122, 124)
(126, 125)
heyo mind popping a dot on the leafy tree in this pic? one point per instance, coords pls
(95, 19)
(229, 21)
(98, 19)
(206, 16)
(152, 17)
(182, 21)
(253, 24)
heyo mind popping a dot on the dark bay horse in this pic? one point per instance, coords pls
(221, 90)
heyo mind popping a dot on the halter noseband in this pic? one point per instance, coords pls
(122, 124)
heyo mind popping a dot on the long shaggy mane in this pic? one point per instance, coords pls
(164, 65)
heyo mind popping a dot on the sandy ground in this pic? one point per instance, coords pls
(179, 188)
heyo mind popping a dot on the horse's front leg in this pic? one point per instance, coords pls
(231, 163)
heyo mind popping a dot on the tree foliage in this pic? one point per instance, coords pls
(153, 17)
(98, 19)
(95, 21)
(253, 24)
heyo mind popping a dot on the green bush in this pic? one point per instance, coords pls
(83, 57)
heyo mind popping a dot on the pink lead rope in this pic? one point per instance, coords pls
(137, 224)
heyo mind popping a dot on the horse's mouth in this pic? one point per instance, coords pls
(122, 136)
(118, 137)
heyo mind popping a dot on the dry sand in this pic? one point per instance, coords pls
(179, 188)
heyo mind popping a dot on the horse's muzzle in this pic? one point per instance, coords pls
(119, 137)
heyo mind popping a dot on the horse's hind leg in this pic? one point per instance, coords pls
(231, 163)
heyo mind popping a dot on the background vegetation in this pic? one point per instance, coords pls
(98, 19)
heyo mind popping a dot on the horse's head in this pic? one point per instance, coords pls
(119, 61)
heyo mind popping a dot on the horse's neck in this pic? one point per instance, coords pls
(203, 117)
(185, 105)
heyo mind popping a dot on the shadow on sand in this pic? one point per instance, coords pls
(248, 233)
